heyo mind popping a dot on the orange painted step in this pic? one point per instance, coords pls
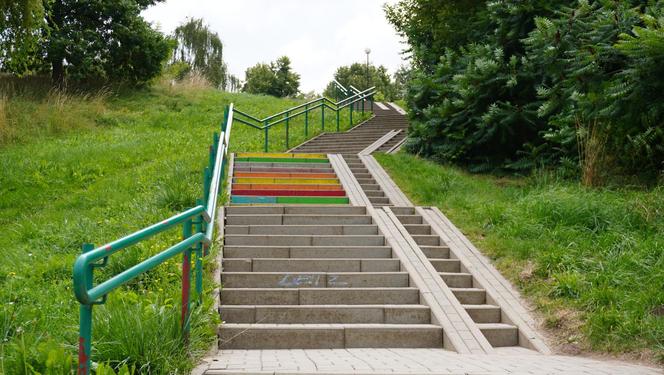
(284, 175)
(286, 187)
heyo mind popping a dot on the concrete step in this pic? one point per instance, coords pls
(410, 219)
(310, 265)
(403, 210)
(358, 229)
(437, 252)
(483, 313)
(329, 336)
(304, 240)
(470, 296)
(232, 251)
(327, 314)
(383, 200)
(295, 210)
(426, 240)
(374, 193)
(319, 296)
(297, 219)
(418, 228)
(446, 265)
(366, 187)
(499, 334)
(457, 279)
(314, 279)
(362, 175)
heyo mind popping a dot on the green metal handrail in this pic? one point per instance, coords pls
(199, 218)
(321, 103)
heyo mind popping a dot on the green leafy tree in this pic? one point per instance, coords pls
(276, 79)
(356, 75)
(20, 23)
(431, 26)
(201, 49)
(82, 41)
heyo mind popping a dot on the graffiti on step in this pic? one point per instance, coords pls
(312, 281)
(296, 281)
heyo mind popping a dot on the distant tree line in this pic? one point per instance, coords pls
(362, 77)
(515, 85)
(276, 78)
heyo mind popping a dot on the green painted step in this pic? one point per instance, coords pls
(281, 160)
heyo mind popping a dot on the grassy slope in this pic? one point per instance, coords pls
(91, 169)
(591, 260)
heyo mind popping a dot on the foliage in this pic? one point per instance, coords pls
(431, 26)
(590, 260)
(84, 41)
(521, 83)
(276, 79)
(19, 35)
(200, 49)
(356, 75)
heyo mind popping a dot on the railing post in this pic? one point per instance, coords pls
(85, 325)
(351, 113)
(287, 133)
(224, 123)
(322, 117)
(337, 119)
(186, 281)
(198, 262)
(266, 134)
(371, 101)
(362, 105)
(207, 176)
(306, 120)
(211, 157)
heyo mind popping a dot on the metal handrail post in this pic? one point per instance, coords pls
(306, 120)
(267, 129)
(186, 281)
(287, 133)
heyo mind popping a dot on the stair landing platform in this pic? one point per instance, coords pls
(508, 361)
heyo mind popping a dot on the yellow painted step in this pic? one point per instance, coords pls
(279, 155)
(268, 180)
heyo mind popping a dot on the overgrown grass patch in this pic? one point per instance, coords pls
(94, 168)
(597, 252)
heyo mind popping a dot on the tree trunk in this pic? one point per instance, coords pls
(57, 72)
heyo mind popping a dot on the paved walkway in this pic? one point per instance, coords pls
(409, 361)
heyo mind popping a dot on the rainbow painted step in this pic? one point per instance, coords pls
(267, 178)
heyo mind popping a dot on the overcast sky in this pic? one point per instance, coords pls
(317, 35)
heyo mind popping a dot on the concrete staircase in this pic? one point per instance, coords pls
(487, 316)
(316, 277)
(302, 269)
(359, 137)
(369, 185)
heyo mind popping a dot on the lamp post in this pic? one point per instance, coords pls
(367, 51)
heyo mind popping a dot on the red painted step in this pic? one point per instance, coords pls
(291, 193)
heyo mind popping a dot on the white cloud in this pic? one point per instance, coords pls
(317, 35)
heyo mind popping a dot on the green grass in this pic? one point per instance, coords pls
(591, 260)
(92, 168)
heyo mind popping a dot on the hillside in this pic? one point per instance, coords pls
(92, 168)
(589, 260)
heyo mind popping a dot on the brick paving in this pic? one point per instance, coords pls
(409, 361)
